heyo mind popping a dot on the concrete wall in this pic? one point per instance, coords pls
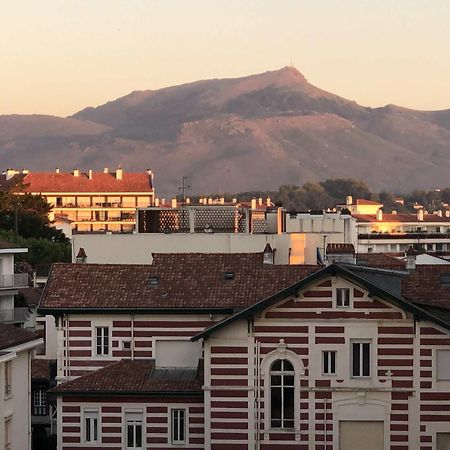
(137, 248)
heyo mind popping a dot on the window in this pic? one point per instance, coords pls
(282, 394)
(343, 297)
(91, 426)
(102, 334)
(8, 378)
(443, 365)
(8, 434)
(329, 362)
(39, 402)
(178, 425)
(361, 359)
(134, 430)
(126, 345)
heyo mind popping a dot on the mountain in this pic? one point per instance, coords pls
(241, 134)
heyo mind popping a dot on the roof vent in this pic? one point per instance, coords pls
(268, 255)
(153, 281)
(81, 257)
(228, 275)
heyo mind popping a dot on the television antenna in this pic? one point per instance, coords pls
(184, 188)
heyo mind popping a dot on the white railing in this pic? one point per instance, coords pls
(14, 315)
(14, 280)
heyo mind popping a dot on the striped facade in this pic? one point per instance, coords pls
(402, 393)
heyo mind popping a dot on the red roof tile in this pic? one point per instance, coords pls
(423, 285)
(401, 218)
(380, 260)
(128, 376)
(11, 336)
(189, 280)
(40, 182)
(363, 201)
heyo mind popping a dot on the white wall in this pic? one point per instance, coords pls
(137, 248)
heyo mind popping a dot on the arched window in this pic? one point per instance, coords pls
(282, 394)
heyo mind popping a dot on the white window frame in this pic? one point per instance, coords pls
(40, 399)
(103, 337)
(173, 440)
(330, 359)
(91, 415)
(134, 419)
(8, 433)
(438, 376)
(361, 359)
(339, 292)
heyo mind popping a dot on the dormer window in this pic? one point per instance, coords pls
(342, 297)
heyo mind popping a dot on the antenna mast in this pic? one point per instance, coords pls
(184, 188)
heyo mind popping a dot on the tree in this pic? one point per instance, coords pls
(339, 188)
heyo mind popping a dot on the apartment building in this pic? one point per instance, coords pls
(92, 201)
(228, 351)
(16, 348)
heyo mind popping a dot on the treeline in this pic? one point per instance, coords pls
(327, 194)
(24, 221)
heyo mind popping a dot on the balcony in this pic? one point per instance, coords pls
(13, 280)
(14, 315)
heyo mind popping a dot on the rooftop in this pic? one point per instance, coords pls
(48, 182)
(11, 336)
(433, 218)
(182, 280)
(135, 377)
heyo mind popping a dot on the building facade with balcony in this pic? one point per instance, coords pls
(92, 201)
(16, 348)
(10, 283)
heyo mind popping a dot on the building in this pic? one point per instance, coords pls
(16, 348)
(214, 351)
(10, 283)
(90, 202)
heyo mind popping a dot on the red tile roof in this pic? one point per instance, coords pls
(40, 182)
(401, 218)
(11, 336)
(380, 260)
(128, 376)
(363, 201)
(189, 280)
(423, 285)
(340, 248)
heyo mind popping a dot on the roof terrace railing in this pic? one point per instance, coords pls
(14, 280)
(13, 315)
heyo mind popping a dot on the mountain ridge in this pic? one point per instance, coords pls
(255, 132)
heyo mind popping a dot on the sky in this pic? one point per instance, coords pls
(59, 56)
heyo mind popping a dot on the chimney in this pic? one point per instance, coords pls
(157, 202)
(253, 203)
(260, 201)
(394, 212)
(411, 259)
(268, 255)
(10, 173)
(268, 202)
(349, 200)
(234, 200)
(420, 214)
(439, 213)
(174, 203)
(25, 171)
(210, 200)
(90, 174)
(119, 174)
(81, 256)
(188, 201)
(447, 213)
(163, 201)
(57, 170)
(222, 200)
(76, 173)
(105, 170)
(380, 214)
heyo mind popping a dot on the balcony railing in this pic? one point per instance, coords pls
(14, 280)
(14, 315)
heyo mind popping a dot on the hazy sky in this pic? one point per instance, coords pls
(58, 56)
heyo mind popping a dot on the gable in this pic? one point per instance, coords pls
(320, 301)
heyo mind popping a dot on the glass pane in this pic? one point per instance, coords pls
(275, 380)
(275, 403)
(130, 436)
(288, 403)
(95, 428)
(138, 435)
(325, 362)
(288, 366)
(355, 359)
(88, 430)
(288, 424)
(366, 359)
(175, 425)
(333, 362)
(276, 366)
(181, 425)
(289, 380)
(276, 423)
